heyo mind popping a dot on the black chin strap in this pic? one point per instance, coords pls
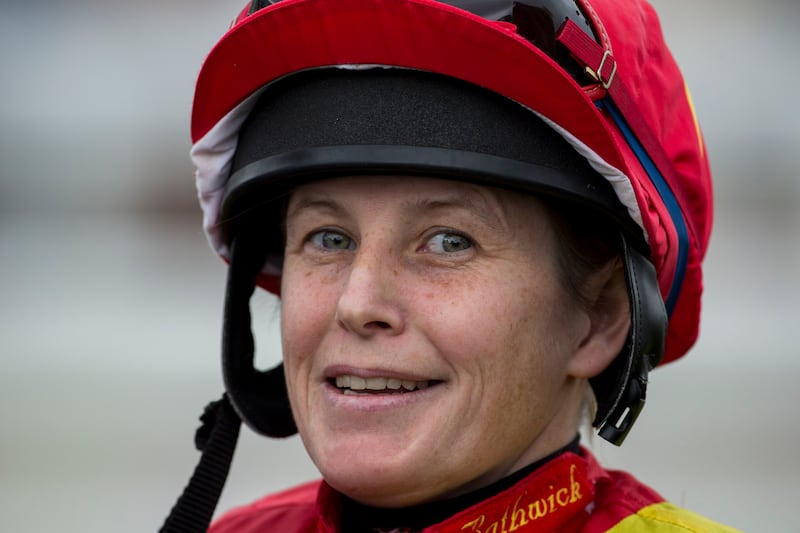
(260, 398)
(216, 438)
(621, 388)
(219, 432)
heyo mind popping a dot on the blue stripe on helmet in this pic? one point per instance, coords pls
(667, 197)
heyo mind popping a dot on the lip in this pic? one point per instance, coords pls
(335, 371)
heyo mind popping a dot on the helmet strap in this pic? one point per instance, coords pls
(216, 438)
(258, 396)
(621, 388)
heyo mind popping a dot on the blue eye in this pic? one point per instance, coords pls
(332, 240)
(449, 243)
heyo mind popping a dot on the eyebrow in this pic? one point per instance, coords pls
(490, 212)
(315, 202)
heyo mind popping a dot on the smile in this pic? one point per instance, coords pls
(358, 385)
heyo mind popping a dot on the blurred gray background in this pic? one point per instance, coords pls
(110, 300)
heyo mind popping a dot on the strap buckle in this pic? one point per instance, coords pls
(597, 74)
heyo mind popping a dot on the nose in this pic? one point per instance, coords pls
(368, 304)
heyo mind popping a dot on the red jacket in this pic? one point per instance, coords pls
(571, 493)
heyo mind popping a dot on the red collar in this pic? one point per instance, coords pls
(546, 500)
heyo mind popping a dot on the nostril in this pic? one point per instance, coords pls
(377, 324)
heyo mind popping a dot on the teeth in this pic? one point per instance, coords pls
(378, 384)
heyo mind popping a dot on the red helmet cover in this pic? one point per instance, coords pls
(295, 35)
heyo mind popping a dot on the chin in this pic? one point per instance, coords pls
(378, 481)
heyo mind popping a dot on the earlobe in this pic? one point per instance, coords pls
(609, 315)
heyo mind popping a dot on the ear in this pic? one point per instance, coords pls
(609, 315)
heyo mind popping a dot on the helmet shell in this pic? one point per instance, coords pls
(292, 36)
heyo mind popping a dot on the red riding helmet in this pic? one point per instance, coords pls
(584, 103)
(596, 72)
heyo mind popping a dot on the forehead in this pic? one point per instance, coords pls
(410, 193)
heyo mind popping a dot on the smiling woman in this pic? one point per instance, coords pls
(473, 240)
(396, 305)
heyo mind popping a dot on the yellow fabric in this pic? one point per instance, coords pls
(668, 518)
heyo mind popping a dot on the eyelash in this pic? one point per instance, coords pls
(443, 234)
(317, 239)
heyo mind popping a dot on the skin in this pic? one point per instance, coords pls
(421, 279)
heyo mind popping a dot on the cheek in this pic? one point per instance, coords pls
(527, 371)
(482, 325)
(306, 310)
(516, 334)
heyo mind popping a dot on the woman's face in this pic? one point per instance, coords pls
(427, 340)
